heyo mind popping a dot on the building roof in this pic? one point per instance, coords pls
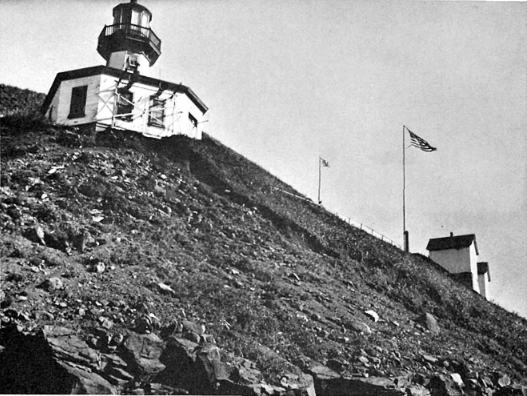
(452, 242)
(483, 268)
(133, 5)
(95, 70)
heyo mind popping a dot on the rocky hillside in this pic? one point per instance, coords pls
(19, 101)
(173, 266)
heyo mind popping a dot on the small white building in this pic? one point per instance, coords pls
(459, 256)
(120, 95)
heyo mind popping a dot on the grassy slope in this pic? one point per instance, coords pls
(256, 266)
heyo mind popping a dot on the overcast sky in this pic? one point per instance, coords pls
(288, 81)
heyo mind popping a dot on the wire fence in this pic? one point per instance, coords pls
(370, 231)
(356, 224)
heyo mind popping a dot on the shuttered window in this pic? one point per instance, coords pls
(78, 102)
(157, 112)
(125, 105)
(193, 121)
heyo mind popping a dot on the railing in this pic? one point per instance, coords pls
(135, 31)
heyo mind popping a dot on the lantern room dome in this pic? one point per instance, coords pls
(132, 12)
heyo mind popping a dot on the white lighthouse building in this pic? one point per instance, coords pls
(121, 95)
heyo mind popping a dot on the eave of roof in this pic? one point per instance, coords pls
(483, 267)
(95, 70)
(452, 242)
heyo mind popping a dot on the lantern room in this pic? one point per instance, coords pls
(130, 43)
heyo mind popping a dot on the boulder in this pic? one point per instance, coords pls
(189, 326)
(52, 284)
(179, 358)
(65, 364)
(99, 267)
(85, 382)
(208, 360)
(192, 331)
(417, 390)
(429, 358)
(329, 382)
(142, 352)
(503, 380)
(302, 384)
(429, 322)
(372, 314)
(227, 387)
(165, 288)
(359, 327)
(441, 385)
(322, 373)
(457, 379)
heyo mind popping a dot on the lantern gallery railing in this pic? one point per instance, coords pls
(134, 31)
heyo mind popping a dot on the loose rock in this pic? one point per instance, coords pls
(53, 283)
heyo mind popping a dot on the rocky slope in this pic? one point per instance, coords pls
(133, 265)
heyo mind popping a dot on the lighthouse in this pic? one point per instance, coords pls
(122, 94)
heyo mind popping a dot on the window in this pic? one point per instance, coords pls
(193, 121)
(144, 19)
(125, 105)
(136, 15)
(118, 17)
(78, 102)
(132, 62)
(136, 23)
(156, 115)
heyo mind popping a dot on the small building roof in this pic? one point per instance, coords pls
(452, 242)
(95, 70)
(483, 268)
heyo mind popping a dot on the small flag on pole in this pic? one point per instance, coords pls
(324, 162)
(420, 143)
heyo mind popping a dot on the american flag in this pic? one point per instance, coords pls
(420, 143)
(324, 162)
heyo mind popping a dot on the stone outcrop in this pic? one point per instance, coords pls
(329, 382)
(56, 359)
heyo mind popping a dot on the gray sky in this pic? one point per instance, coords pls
(289, 80)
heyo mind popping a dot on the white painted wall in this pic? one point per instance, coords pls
(60, 104)
(457, 261)
(454, 261)
(101, 105)
(474, 266)
(483, 283)
(118, 60)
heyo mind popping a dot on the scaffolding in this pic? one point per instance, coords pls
(164, 115)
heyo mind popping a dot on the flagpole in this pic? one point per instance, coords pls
(319, 178)
(405, 233)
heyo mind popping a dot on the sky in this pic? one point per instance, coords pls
(289, 81)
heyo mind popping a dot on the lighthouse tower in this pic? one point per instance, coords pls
(121, 95)
(130, 42)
